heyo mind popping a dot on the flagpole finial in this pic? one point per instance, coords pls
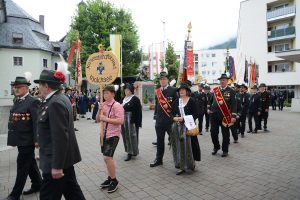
(189, 27)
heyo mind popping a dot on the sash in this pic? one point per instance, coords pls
(163, 102)
(223, 107)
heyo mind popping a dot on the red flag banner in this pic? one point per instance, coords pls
(190, 62)
(72, 50)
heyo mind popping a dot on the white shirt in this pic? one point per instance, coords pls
(127, 99)
(23, 97)
(163, 88)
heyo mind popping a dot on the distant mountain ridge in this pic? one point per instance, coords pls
(231, 44)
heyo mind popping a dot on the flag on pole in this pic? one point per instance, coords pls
(252, 75)
(246, 71)
(232, 68)
(78, 69)
(116, 45)
(184, 66)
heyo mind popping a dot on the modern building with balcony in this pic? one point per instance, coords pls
(269, 33)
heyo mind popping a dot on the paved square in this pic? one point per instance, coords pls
(260, 166)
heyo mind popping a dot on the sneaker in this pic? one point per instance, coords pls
(113, 186)
(106, 183)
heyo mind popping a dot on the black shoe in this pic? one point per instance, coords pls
(113, 186)
(156, 163)
(88, 118)
(30, 191)
(106, 183)
(236, 141)
(75, 129)
(180, 172)
(250, 131)
(206, 129)
(225, 154)
(128, 157)
(266, 130)
(255, 131)
(214, 152)
(169, 143)
(154, 143)
(242, 135)
(11, 198)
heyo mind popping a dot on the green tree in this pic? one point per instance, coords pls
(172, 64)
(95, 20)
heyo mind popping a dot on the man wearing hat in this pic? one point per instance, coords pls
(59, 151)
(254, 109)
(208, 94)
(244, 103)
(222, 109)
(265, 103)
(201, 102)
(22, 133)
(165, 96)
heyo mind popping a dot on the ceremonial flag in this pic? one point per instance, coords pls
(78, 70)
(232, 68)
(252, 75)
(184, 66)
(116, 47)
(246, 71)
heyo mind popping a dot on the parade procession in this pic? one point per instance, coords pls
(107, 112)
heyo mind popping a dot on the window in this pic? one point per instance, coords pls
(18, 61)
(269, 68)
(282, 67)
(281, 26)
(203, 73)
(196, 57)
(55, 66)
(203, 64)
(178, 57)
(213, 55)
(282, 47)
(196, 68)
(202, 55)
(208, 72)
(213, 72)
(214, 64)
(207, 55)
(270, 48)
(17, 38)
(281, 6)
(45, 63)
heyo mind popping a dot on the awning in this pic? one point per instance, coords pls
(292, 55)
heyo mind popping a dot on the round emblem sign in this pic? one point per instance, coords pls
(102, 69)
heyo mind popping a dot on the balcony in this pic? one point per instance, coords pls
(281, 34)
(281, 13)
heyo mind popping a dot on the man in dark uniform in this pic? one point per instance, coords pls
(201, 101)
(273, 99)
(72, 99)
(254, 109)
(222, 111)
(59, 150)
(22, 133)
(281, 99)
(244, 103)
(235, 128)
(165, 96)
(265, 103)
(208, 99)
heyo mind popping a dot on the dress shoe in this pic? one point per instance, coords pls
(242, 135)
(214, 152)
(266, 130)
(128, 157)
(206, 129)
(30, 191)
(249, 131)
(255, 131)
(154, 143)
(11, 198)
(180, 172)
(236, 141)
(156, 163)
(75, 129)
(225, 154)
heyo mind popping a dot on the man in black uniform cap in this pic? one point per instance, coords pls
(165, 96)
(265, 103)
(244, 103)
(281, 99)
(254, 109)
(201, 101)
(224, 96)
(273, 99)
(208, 99)
(59, 151)
(22, 133)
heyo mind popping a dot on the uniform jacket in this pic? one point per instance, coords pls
(160, 116)
(22, 122)
(254, 103)
(265, 100)
(244, 102)
(57, 140)
(201, 102)
(135, 107)
(230, 99)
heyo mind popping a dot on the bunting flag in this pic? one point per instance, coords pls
(78, 74)
(232, 68)
(246, 71)
(252, 75)
(116, 48)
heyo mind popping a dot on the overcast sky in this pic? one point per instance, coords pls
(213, 21)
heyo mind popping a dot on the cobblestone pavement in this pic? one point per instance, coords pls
(260, 166)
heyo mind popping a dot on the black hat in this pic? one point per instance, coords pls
(68, 88)
(201, 85)
(262, 85)
(244, 85)
(51, 76)
(130, 87)
(237, 85)
(20, 81)
(254, 87)
(224, 76)
(189, 83)
(163, 74)
(206, 87)
(184, 86)
(110, 88)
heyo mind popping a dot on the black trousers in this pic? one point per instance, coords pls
(200, 121)
(26, 165)
(263, 116)
(216, 122)
(234, 128)
(273, 102)
(255, 116)
(207, 120)
(53, 189)
(242, 124)
(160, 134)
(280, 105)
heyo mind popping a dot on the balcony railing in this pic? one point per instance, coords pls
(282, 33)
(281, 12)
